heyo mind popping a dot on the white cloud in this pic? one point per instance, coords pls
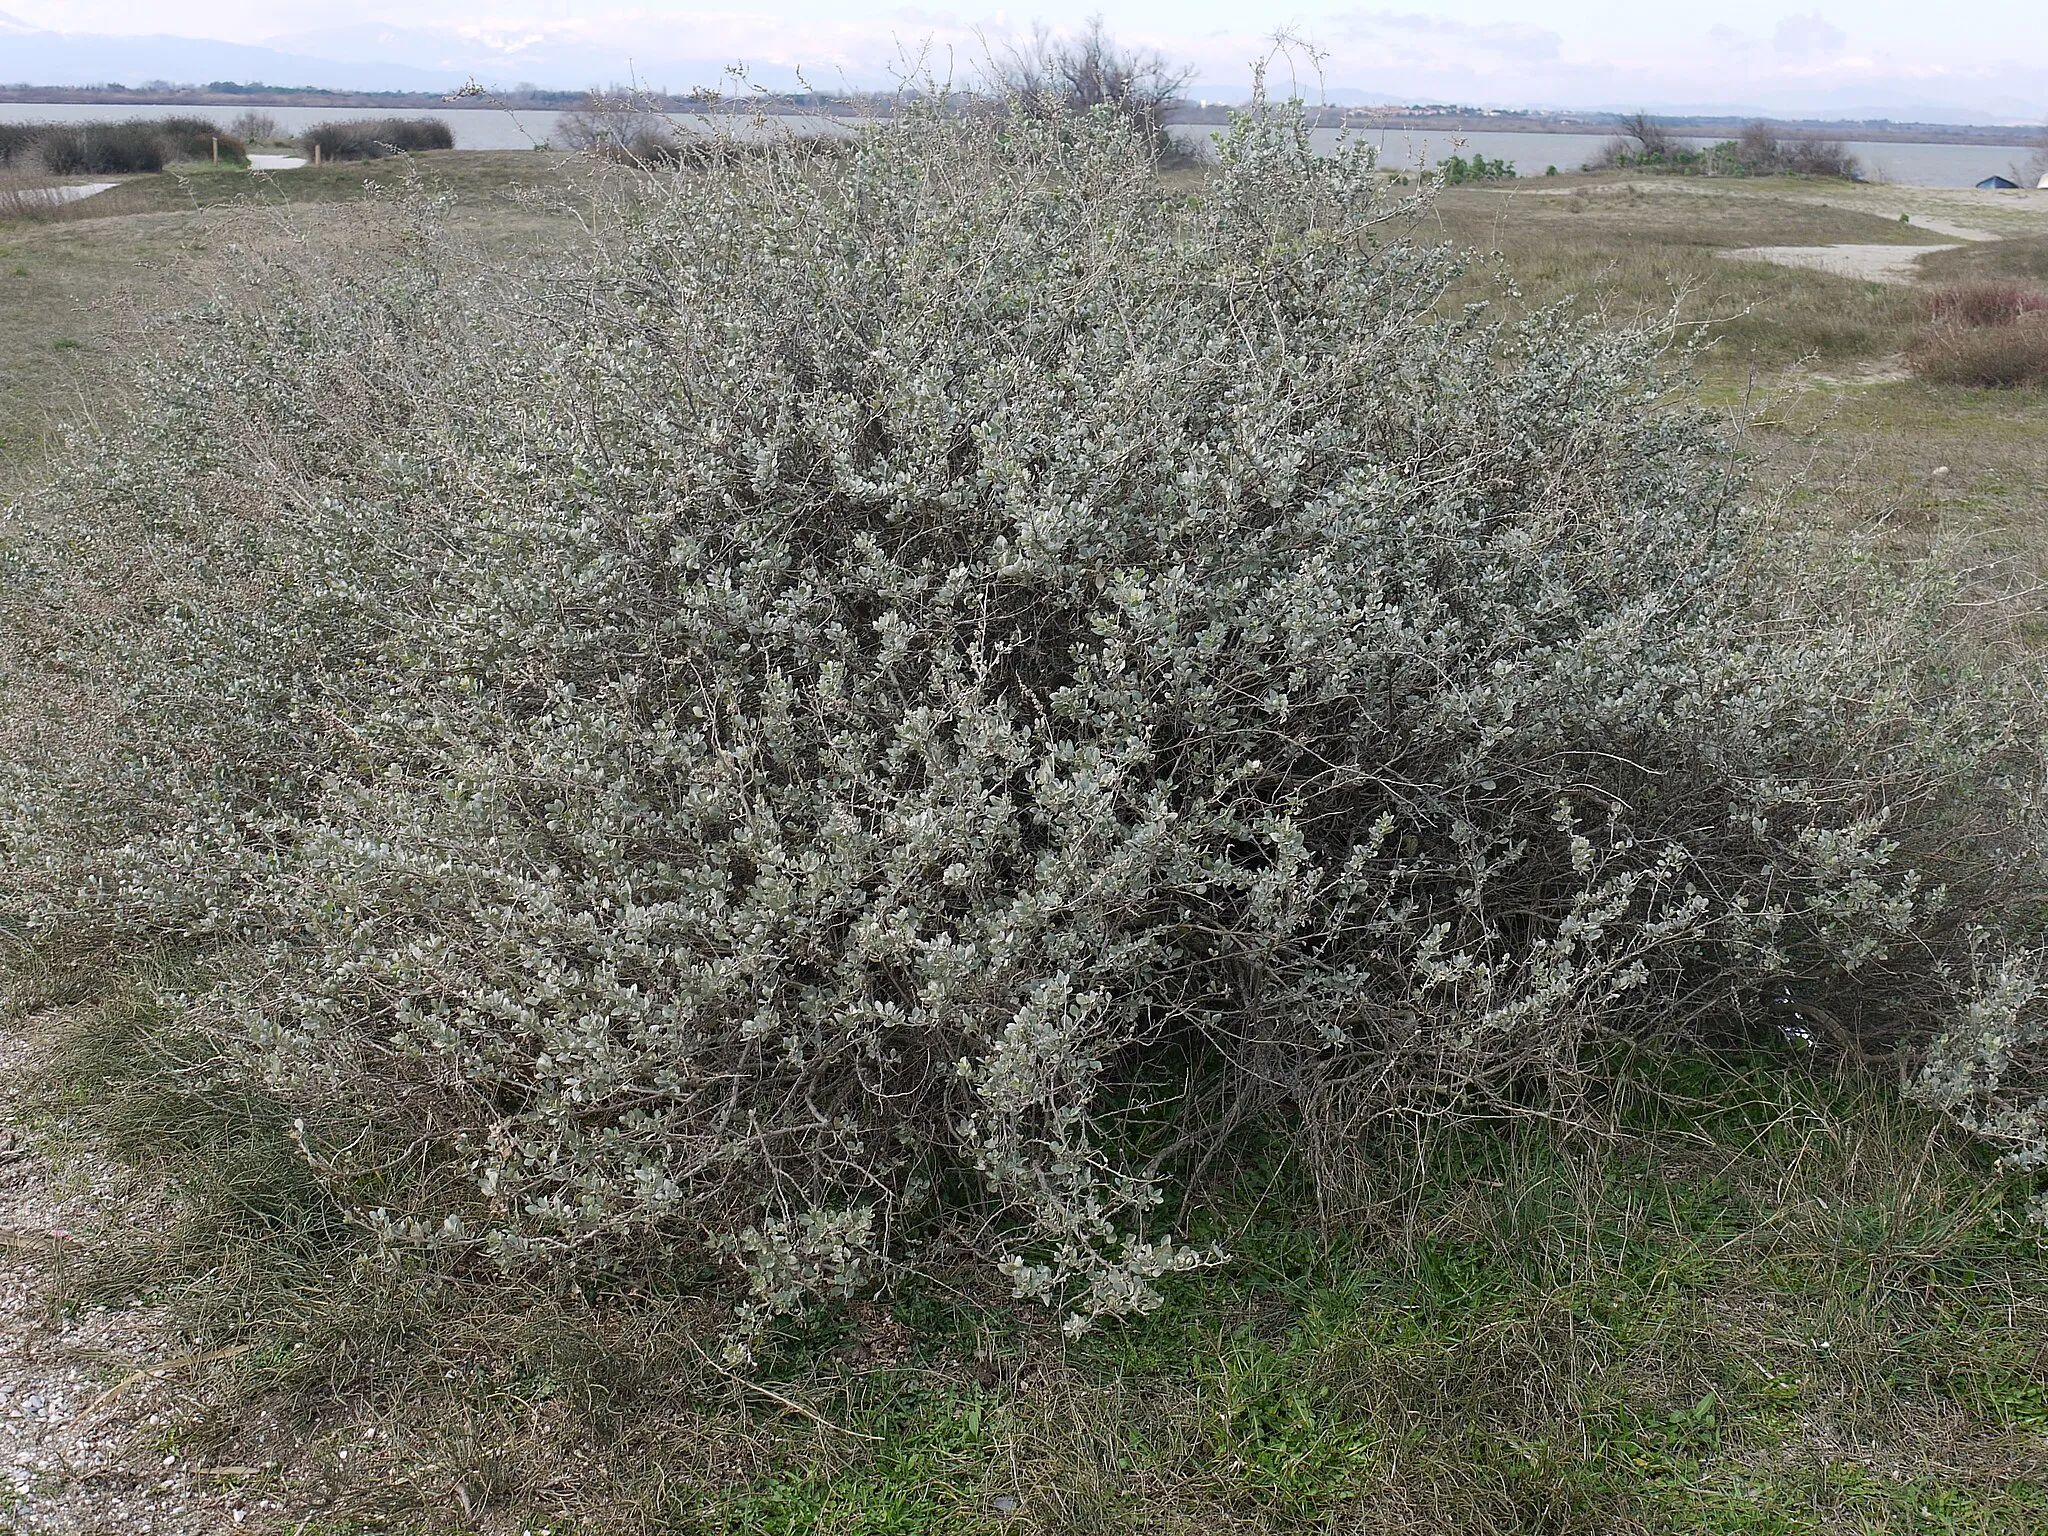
(1412, 35)
(1745, 54)
(1809, 37)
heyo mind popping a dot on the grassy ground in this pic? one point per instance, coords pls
(1631, 249)
(2023, 259)
(1809, 366)
(80, 285)
(1772, 1300)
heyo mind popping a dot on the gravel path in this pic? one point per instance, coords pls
(86, 1394)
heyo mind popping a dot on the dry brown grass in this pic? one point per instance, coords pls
(1987, 335)
(1985, 356)
(29, 197)
(1984, 303)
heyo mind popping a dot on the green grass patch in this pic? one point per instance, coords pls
(107, 270)
(1763, 1299)
(2022, 259)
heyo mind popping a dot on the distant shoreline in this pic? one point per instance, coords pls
(1375, 119)
(1712, 128)
(1462, 120)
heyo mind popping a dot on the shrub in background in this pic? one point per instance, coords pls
(629, 129)
(2035, 171)
(1458, 171)
(254, 127)
(1057, 78)
(18, 142)
(375, 139)
(103, 149)
(137, 146)
(1811, 156)
(197, 138)
(1645, 144)
(619, 125)
(884, 709)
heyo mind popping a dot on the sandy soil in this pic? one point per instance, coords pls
(1878, 263)
(1965, 214)
(86, 1393)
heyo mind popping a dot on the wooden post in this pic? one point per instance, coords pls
(316, 151)
(216, 149)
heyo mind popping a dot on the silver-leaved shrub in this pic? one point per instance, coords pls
(886, 698)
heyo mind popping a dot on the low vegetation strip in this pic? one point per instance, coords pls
(138, 146)
(351, 139)
(1647, 145)
(75, 1453)
(35, 200)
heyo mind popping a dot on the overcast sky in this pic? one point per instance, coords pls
(1986, 55)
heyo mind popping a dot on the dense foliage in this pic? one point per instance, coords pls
(18, 142)
(1458, 171)
(894, 701)
(198, 138)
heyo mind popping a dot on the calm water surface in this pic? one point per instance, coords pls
(1920, 165)
(1913, 165)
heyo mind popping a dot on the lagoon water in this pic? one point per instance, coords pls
(1920, 165)
(1912, 165)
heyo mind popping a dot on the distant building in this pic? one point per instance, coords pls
(1999, 184)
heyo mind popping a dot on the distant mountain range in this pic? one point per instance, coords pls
(351, 59)
(32, 57)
